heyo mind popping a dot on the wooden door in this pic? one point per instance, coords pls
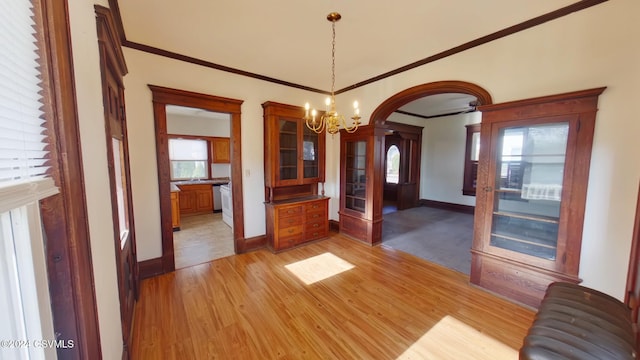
(113, 69)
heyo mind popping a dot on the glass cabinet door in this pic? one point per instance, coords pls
(288, 148)
(310, 155)
(529, 173)
(356, 175)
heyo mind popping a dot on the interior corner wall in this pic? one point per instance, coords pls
(591, 48)
(88, 83)
(442, 156)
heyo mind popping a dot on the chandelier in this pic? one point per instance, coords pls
(331, 119)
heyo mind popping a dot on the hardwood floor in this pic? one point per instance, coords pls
(380, 304)
(202, 238)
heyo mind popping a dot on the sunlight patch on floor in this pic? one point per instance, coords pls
(451, 338)
(319, 267)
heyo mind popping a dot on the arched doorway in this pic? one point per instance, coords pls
(382, 119)
(384, 110)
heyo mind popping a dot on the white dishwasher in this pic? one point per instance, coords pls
(217, 200)
(227, 204)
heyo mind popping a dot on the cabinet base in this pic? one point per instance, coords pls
(520, 282)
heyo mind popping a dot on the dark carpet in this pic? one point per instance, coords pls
(440, 236)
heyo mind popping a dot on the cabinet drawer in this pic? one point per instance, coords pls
(290, 231)
(315, 206)
(318, 224)
(290, 211)
(316, 233)
(286, 222)
(316, 215)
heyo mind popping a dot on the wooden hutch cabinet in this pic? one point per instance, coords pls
(294, 165)
(531, 193)
(359, 217)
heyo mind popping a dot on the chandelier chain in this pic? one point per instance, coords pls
(333, 59)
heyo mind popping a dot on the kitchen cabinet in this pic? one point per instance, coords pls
(195, 198)
(175, 210)
(531, 193)
(220, 150)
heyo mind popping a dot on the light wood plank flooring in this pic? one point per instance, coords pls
(380, 304)
(202, 238)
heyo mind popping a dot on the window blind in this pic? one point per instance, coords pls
(23, 135)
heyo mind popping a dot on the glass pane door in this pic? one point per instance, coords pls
(530, 165)
(288, 149)
(310, 153)
(356, 179)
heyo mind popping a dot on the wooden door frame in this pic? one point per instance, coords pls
(410, 144)
(113, 66)
(162, 97)
(631, 298)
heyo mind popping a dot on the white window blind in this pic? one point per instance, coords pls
(23, 141)
(23, 182)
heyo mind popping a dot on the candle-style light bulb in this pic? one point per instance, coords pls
(355, 104)
(306, 110)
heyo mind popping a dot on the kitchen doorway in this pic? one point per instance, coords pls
(161, 97)
(199, 165)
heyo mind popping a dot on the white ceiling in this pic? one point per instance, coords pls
(290, 40)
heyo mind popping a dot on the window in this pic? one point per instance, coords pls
(393, 165)
(24, 181)
(189, 159)
(472, 155)
(121, 190)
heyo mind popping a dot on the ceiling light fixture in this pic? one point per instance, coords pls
(331, 120)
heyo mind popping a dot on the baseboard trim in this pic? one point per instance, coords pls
(150, 268)
(334, 225)
(448, 206)
(253, 243)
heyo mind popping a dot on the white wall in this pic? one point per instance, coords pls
(96, 176)
(592, 48)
